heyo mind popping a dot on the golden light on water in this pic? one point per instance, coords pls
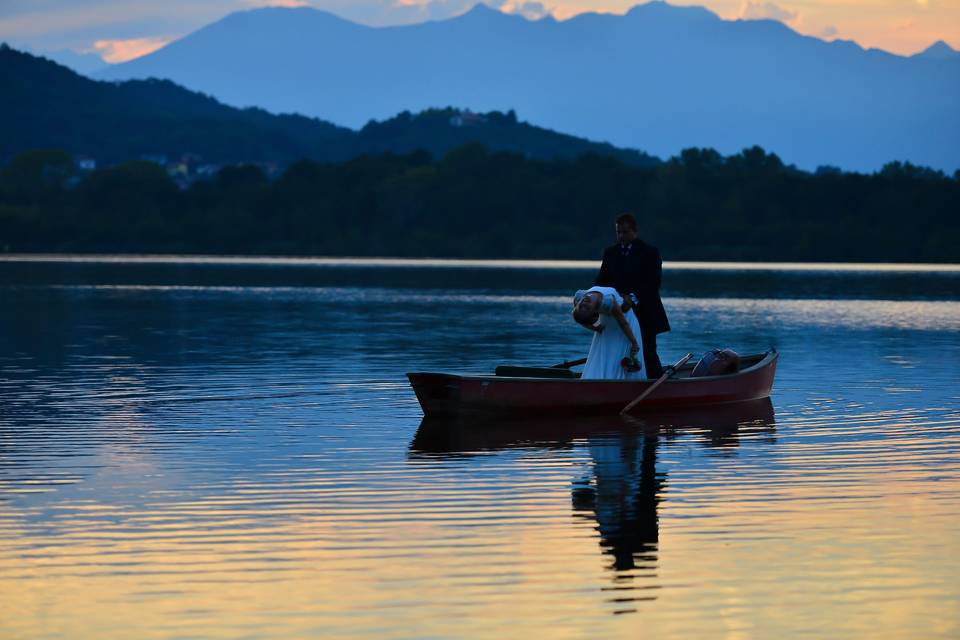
(182, 455)
(445, 554)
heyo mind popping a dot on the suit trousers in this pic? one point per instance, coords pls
(651, 361)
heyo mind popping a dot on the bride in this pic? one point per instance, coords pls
(597, 309)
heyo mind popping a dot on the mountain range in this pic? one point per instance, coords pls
(46, 105)
(660, 77)
(939, 50)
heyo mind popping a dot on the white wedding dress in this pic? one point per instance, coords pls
(611, 346)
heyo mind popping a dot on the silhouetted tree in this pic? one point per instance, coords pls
(474, 202)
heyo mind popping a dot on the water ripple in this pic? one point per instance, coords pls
(223, 462)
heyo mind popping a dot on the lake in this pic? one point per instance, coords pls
(216, 447)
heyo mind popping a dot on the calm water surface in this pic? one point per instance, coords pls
(230, 449)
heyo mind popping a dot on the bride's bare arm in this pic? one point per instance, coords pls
(625, 327)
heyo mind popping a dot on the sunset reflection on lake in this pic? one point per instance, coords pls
(189, 451)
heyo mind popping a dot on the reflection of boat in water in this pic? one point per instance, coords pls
(559, 391)
(719, 425)
(621, 489)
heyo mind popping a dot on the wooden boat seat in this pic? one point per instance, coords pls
(510, 371)
(535, 372)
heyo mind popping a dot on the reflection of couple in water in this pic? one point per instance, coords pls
(622, 492)
(624, 309)
(621, 487)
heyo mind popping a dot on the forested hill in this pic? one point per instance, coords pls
(46, 105)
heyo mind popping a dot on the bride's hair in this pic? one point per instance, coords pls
(585, 318)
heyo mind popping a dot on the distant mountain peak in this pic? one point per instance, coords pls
(481, 11)
(481, 8)
(283, 14)
(939, 50)
(660, 77)
(661, 8)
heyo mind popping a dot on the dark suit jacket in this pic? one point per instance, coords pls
(639, 274)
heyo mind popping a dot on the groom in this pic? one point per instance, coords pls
(633, 268)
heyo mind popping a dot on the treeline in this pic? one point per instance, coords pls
(477, 203)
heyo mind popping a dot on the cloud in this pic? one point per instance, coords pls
(76, 24)
(828, 31)
(123, 27)
(290, 4)
(766, 11)
(529, 10)
(396, 12)
(115, 51)
(442, 9)
(393, 11)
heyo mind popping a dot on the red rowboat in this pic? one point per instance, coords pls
(539, 391)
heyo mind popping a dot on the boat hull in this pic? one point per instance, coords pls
(442, 394)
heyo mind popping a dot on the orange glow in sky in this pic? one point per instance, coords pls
(122, 31)
(900, 26)
(115, 51)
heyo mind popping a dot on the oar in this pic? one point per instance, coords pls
(567, 365)
(666, 374)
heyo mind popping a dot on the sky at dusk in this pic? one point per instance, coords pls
(119, 30)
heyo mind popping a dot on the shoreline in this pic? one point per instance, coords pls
(466, 263)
